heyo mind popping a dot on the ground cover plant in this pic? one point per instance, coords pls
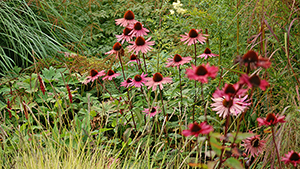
(156, 84)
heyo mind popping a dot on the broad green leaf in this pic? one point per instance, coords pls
(233, 163)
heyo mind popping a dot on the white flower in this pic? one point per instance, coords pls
(172, 12)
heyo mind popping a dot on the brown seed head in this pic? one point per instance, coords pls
(177, 58)
(110, 72)
(117, 46)
(230, 89)
(207, 51)
(295, 157)
(271, 118)
(254, 80)
(195, 127)
(133, 57)
(138, 26)
(137, 78)
(250, 57)
(255, 142)
(201, 70)
(93, 73)
(193, 33)
(140, 41)
(157, 77)
(126, 31)
(129, 15)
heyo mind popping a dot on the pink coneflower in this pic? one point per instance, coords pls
(152, 112)
(133, 58)
(252, 58)
(202, 72)
(127, 83)
(110, 75)
(116, 48)
(157, 79)
(207, 53)
(291, 157)
(138, 30)
(193, 36)
(253, 81)
(229, 91)
(125, 36)
(140, 44)
(128, 19)
(94, 74)
(271, 119)
(178, 60)
(222, 106)
(196, 129)
(254, 145)
(139, 80)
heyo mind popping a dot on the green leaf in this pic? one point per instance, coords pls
(215, 145)
(93, 113)
(233, 163)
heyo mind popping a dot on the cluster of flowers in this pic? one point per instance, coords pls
(231, 100)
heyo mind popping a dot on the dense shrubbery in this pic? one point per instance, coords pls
(73, 98)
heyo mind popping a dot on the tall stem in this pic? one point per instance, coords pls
(179, 70)
(225, 139)
(162, 102)
(145, 63)
(195, 86)
(121, 65)
(104, 88)
(278, 157)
